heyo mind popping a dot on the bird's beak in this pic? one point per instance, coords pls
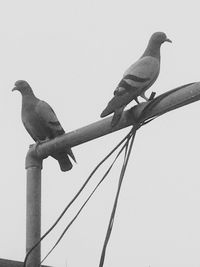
(168, 40)
(14, 89)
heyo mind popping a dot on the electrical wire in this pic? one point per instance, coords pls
(68, 226)
(75, 197)
(111, 221)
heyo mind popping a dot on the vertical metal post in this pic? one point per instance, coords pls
(33, 206)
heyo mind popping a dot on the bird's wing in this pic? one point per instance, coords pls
(136, 80)
(117, 102)
(139, 76)
(49, 118)
(53, 129)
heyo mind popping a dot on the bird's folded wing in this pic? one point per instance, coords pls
(117, 102)
(49, 118)
(138, 76)
(136, 80)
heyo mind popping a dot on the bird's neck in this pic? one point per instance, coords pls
(29, 98)
(27, 92)
(153, 51)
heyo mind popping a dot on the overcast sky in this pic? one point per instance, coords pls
(73, 54)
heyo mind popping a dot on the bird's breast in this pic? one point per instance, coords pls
(33, 123)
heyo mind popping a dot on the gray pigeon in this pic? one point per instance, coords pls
(41, 122)
(137, 79)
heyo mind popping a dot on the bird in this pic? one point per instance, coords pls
(137, 78)
(41, 122)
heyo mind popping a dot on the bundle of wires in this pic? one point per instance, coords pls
(124, 145)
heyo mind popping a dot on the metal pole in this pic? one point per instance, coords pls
(168, 101)
(33, 206)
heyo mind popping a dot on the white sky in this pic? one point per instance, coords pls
(73, 54)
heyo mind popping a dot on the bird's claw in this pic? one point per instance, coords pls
(42, 141)
(39, 142)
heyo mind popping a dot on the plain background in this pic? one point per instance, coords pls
(73, 54)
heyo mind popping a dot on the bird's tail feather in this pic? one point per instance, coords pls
(64, 161)
(65, 164)
(104, 113)
(117, 116)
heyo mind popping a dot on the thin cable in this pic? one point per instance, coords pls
(109, 230)
(110, 226)
(75, 197)
(111, 221)
(68, 226)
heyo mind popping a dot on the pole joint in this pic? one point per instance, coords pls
(32, 158)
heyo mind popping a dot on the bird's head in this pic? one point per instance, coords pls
(159, 38)
(23, 87)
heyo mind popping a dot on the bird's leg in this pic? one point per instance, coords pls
(152, 96)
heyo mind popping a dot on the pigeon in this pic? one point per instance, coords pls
(137, 79)
(42, 123)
